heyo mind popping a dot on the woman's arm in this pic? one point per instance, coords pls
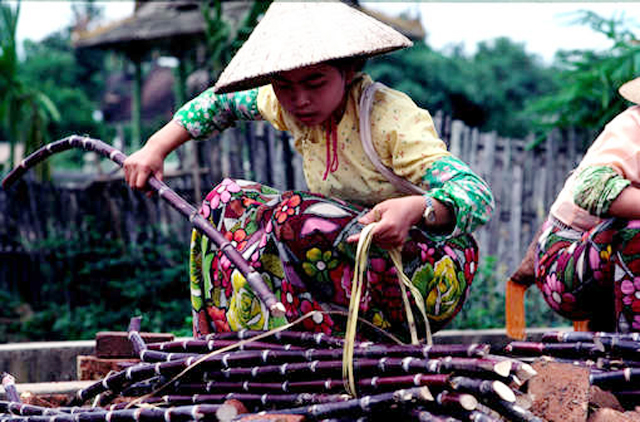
(206, 115)
(627, 204)
(462, 201)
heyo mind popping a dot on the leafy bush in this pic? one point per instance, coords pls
(485, 306)
(101, 283)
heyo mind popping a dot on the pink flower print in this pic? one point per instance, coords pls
(631, 293)
(205, 209)
(427, 253)
(222, 192)
(556, 296)
(635, 324)
(450, 252)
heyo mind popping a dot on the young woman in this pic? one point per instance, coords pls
(299, 70)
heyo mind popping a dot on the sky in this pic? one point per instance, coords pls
(543, 26)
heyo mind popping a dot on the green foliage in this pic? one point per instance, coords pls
(25, 111)
(586, 98)
(488, 90)
(97, 284)
(62, 74)
(222, 39)
(485, 305)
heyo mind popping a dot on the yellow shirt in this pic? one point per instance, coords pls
(402, 133)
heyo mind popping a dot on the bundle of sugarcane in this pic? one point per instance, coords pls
(613, 359)
(297, 373)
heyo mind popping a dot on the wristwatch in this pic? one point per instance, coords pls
(429, 212)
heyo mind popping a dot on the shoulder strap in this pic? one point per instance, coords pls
(366, 99)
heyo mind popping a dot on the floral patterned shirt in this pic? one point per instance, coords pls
(403, 135)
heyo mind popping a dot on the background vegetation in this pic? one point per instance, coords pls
(54, 90)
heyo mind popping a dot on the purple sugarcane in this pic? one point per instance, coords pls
(9, 385)
(202, 224)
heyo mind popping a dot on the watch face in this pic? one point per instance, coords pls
(430, 214)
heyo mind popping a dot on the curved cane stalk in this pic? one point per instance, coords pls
(183, 207)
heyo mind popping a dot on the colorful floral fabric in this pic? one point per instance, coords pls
(296, 240)
(584, 273)
(452, 182)
(209, 114)
(597, 187)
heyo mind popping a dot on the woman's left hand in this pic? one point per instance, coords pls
(394, 218)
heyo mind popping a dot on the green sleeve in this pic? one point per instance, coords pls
(453, 183)
(209, 114)
(596, 188)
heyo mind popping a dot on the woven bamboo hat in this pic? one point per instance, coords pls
(631, 90)
(298, 34)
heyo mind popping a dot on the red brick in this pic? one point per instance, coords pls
(95, 368)
(116, 344)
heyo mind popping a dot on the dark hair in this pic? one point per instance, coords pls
(353, 63)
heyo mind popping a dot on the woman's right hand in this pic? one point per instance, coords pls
(149, 160)
(140, 165)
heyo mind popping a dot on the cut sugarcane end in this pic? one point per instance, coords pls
(468, 402)
(503, 368)
(503, 390)
(277, 310)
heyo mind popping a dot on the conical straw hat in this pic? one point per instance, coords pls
(297, 34)
(631, 90)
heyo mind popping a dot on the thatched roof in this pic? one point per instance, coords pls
(157, 24)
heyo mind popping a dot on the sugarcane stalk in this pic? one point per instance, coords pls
(206, 346)
(615, 346)
(454, 401)
(585, 336)
(133, 332)
(579, 349)
(299, 338)
(485, 389)
(153, 356)
(364, 405)
(616, 364)
(9, 385)
(202, 224)
(616, 380)
(322, 369)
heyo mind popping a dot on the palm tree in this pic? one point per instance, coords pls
(25, 112)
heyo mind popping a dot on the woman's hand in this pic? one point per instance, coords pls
(149, 160)
(394, 218)
(142, 164)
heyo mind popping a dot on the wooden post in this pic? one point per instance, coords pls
(136, 101)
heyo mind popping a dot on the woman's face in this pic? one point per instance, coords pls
(311, 94)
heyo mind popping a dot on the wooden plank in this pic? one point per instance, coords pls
(455, 140)
(516, 220)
